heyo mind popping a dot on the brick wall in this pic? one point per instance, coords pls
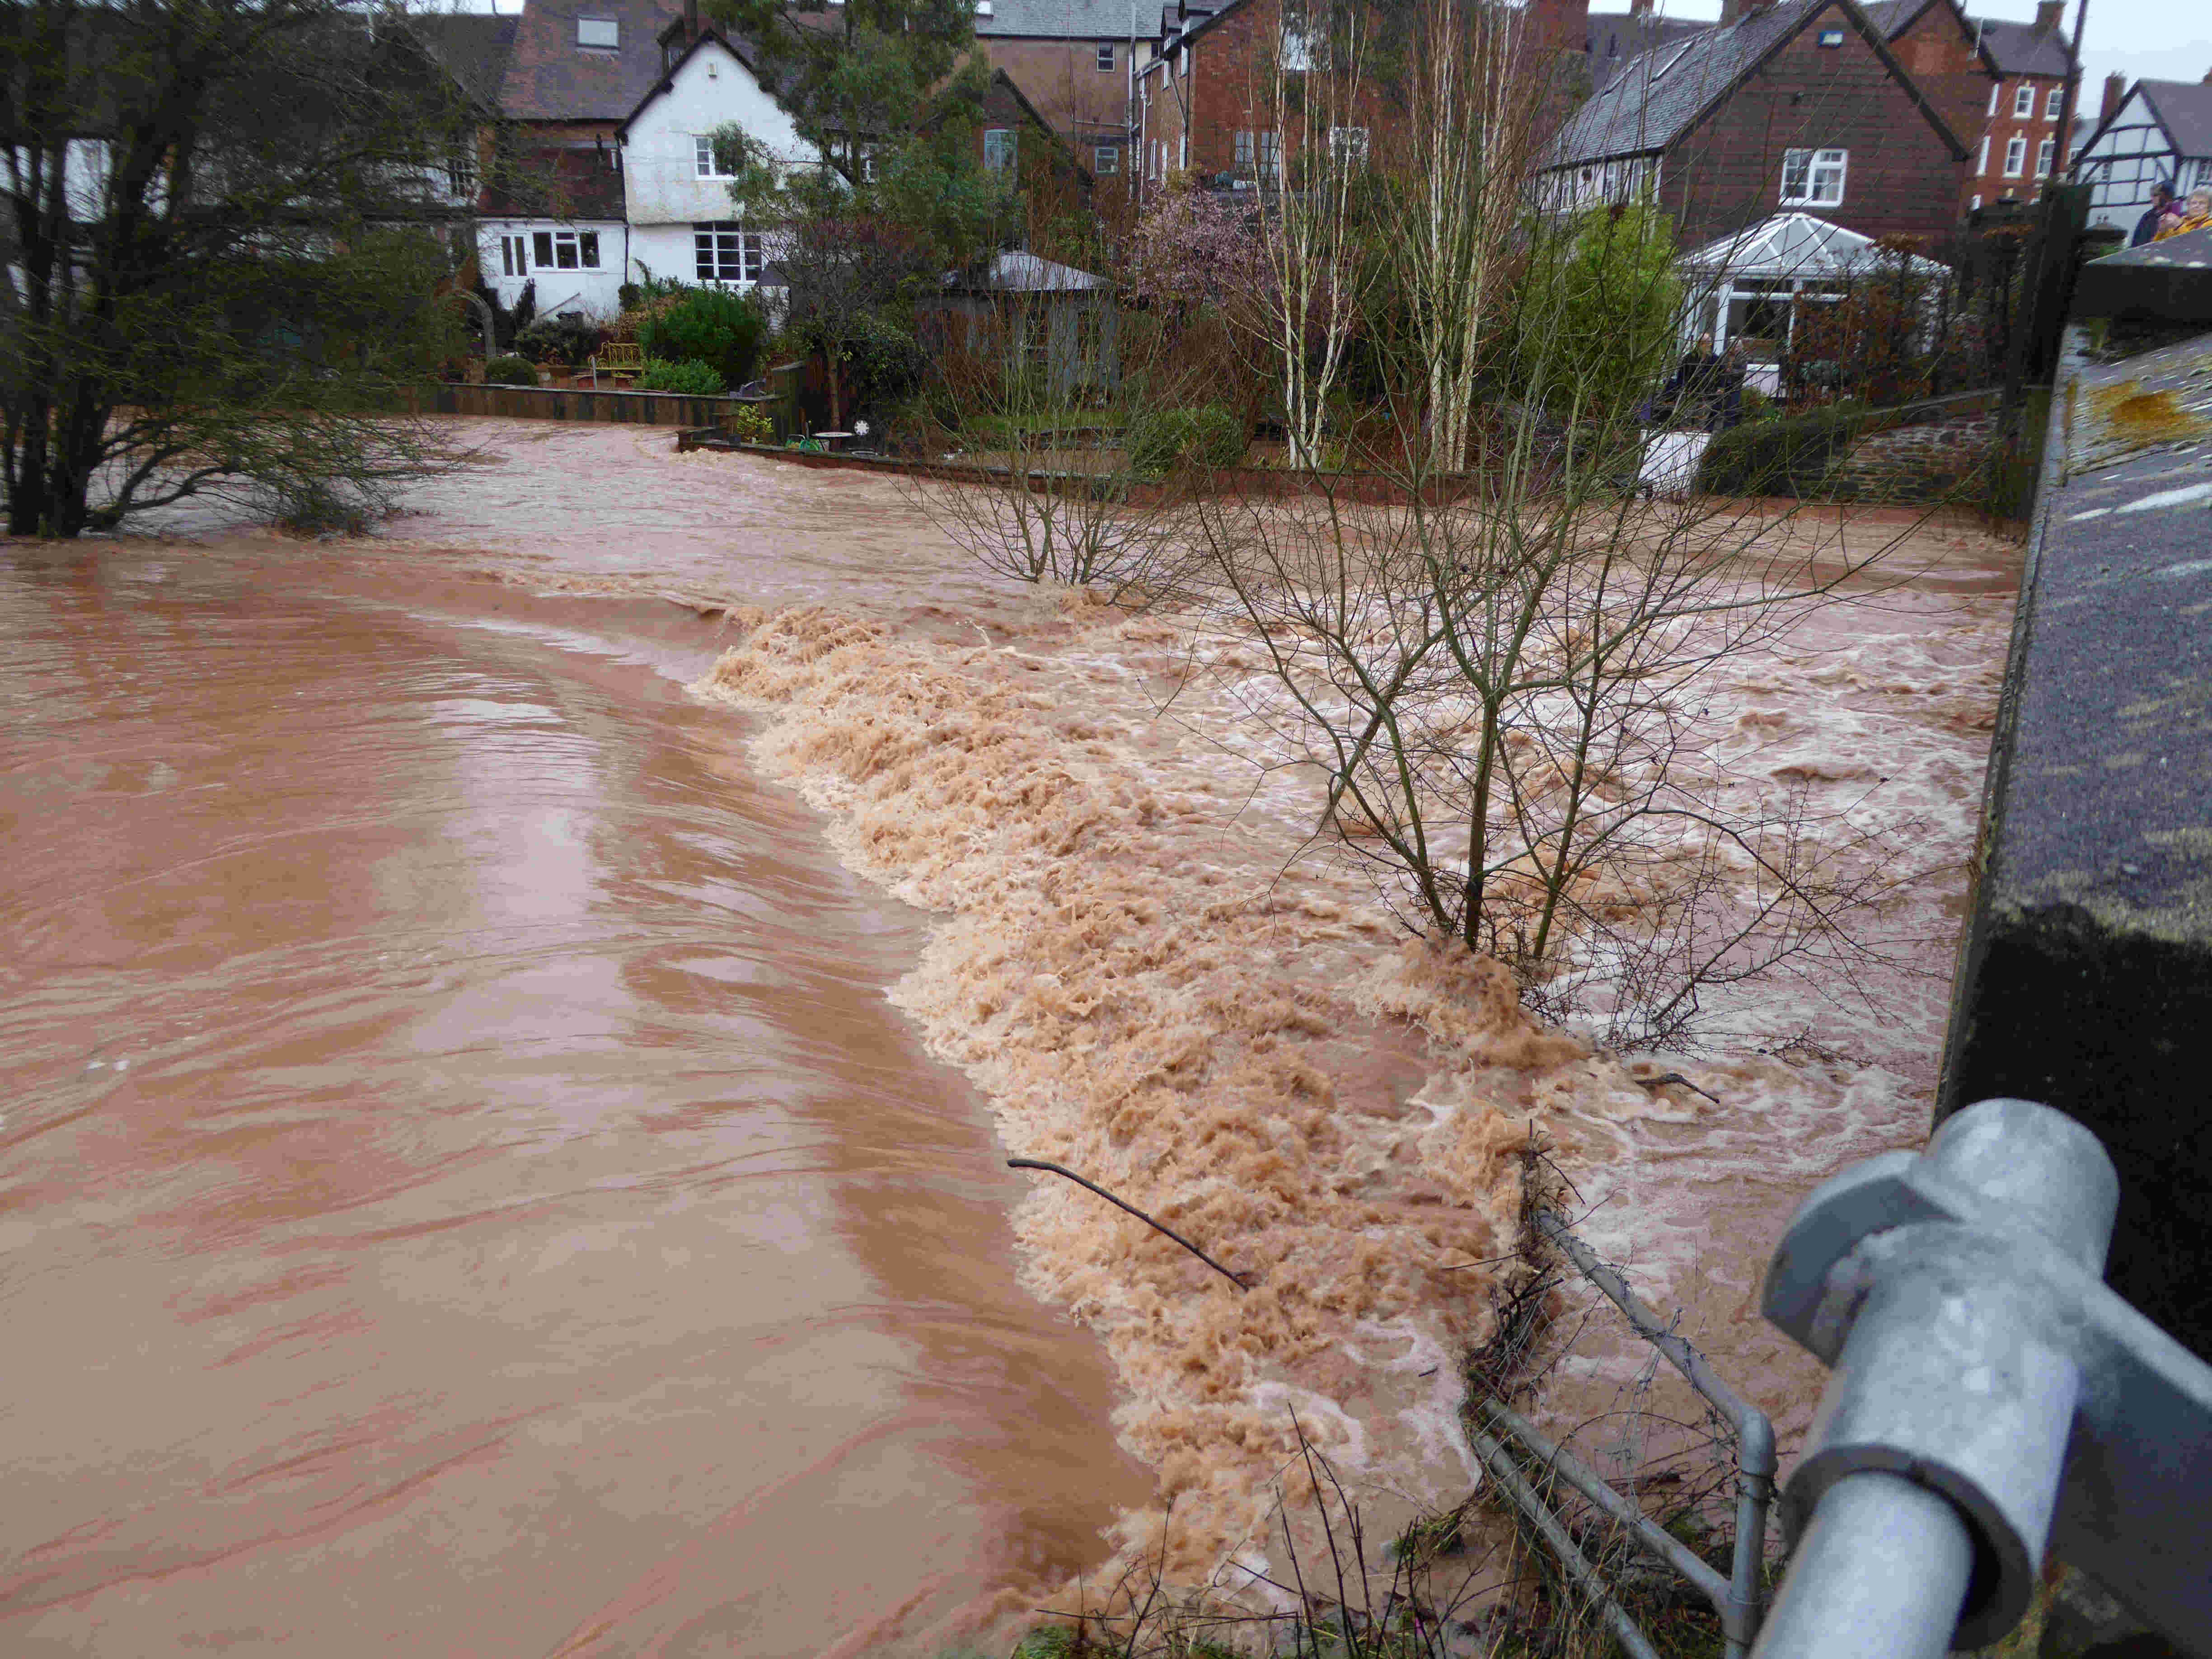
(1902, 178)
(1082, 102)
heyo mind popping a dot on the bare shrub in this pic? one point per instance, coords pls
(1038, 392)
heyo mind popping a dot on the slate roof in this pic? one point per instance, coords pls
(1656, 96)
(472, 46)
(2017, 49)
(1617, 36)
(2186, 109)
(550, 78)
(1662, 93)
(1069, 20)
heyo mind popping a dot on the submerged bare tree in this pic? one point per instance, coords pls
(1507, 670)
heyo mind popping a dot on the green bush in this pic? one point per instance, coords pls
(510, 370)
(1159, 440)
(708, 325)
(1787, 455)
(1219, 436)
(569, 340)
(749, 425)
(694, 379)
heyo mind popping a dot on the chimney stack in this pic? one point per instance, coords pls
(2048, 14)
(1643, 9)
(1556, 25)
(2116, 94)
(1734, 10)
(691, 21)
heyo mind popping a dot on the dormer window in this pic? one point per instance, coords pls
(600, 32)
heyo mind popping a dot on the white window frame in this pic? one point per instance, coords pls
(2015, 161)
(724, 252)
(2052, 104)
(1106, 160)
(703, 161)
(1004, 155)
(548, 246)
(514, 254)
(1819, 172)
(2023, 100)
(2045, 153)
(1347, 147)
(1257, 154)
(1109, 57)
(1996, 89)
(1982, 163)
(608, 29)
(1976, 205)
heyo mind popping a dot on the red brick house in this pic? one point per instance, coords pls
(1998, 84)
(1796, 107)
(1205, 93)
(2020, 145)
(1076, 62)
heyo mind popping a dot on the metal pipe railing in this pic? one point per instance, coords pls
(1656, 1539)
(1993, 1402)
(1499, 1462)
(1755, 1460)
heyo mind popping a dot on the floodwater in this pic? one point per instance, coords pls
(551, 1201)
(464, 1187)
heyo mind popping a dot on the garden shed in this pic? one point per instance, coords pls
(1746, 288)
(1057, 319)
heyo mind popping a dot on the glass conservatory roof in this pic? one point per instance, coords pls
(1791, 245)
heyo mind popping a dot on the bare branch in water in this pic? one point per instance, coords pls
(1237, 1279)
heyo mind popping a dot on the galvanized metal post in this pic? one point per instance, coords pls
(1991, 1397)
(1754, 1436)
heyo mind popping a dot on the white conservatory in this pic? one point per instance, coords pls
(1746, 288)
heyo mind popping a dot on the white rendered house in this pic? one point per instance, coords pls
(681, 221)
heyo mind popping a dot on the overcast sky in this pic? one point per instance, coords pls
(2142, 39)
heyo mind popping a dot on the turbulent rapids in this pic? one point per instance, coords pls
(1128, 941)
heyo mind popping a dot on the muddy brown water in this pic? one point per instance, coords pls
(462, 1188)
(463, 1185)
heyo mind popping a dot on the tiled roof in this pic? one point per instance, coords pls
(2017, 49)
(1655, 97)
(2185, 107)
(472, 46)
(550, 78)
(1069, 20)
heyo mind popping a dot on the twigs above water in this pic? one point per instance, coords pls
(1237, 1279)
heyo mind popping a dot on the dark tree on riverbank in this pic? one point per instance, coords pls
(222, 220)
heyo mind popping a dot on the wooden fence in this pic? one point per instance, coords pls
(554, 403)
